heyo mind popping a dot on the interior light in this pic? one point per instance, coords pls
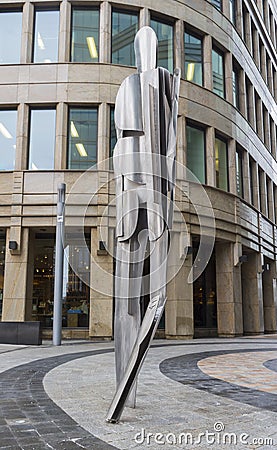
(92, 47)
(81, 149)
(34, 167)
(73, 130)
(40, 42)
(5, 132)
(190, 71)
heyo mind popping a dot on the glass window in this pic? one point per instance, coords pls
(196, 152)
(251, 173)
(235, 79)
(239, 173)
(232, 8)
(113, 137)
(193, 59)
(124, 28)
(217, 4)
(10, 37)
(7, 139)
(2, 266)
(85, 35)
(42, 139)
(82, 148)
(164, 33)
(75, 301)
(221, 164)
(46, 36)
(218, 73)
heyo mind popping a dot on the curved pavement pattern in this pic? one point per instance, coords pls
(60, 402)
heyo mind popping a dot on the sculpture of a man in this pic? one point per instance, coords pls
(146, 121)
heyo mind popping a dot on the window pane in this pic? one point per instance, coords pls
(46, 36)
(239, 179)
(42, 139)
(10, 37)
(232, 6)
(124, 28)
(165, 50)
(196, 152)
(235, 89)
(217, 4)
(2, 267)
(7, 139)
(193, 58)
(218, 73)
(112, 136)
(85, 35)
(221, 164)
(82, 152)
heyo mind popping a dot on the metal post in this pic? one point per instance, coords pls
(58, 286)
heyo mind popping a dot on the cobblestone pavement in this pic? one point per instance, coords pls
(212, 393)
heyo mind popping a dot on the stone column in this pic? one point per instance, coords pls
(144, 17)
(179, 55)
(210, 156)
(252, 295)
(232, 166)
(179, 307)
(247, 30)
(21, 155)
(17, 296)
(263, 192)
(266, 128)
(105, 32)
(228, 70)
(239, 20)
(226, 8)
(207, 62)
(255, 43)
(101, 292)
(270, 200)
(228, 289)
(64, 32)
(27, 33)
(251, 105)
(103, 135)
(259, 117)
(61, 136)
(273, 138)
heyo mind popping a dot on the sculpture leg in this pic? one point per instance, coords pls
(129, 268)
(148, 328)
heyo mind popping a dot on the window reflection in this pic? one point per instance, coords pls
(239, 179)
(42, 139)
(196, 152)
(112, 136)
(7, 139)
(221, 164)
(124, 28)
(82, 151)
(10, 37)
(165, 49)
(85, 35)
(193, 58)
(46, 36)
(218, 73)
(217, 4)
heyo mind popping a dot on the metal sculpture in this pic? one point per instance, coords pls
(144, 164)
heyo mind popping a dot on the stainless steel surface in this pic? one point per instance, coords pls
(144, 164)
(58, 282)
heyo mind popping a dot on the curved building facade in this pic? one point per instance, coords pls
(61, 64)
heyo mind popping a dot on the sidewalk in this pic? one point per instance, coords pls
(205, 393)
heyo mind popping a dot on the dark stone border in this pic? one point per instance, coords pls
(271, 365)
(184, 369)
(30, 420)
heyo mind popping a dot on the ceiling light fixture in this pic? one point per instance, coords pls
(5, 132)
(92, 47)
(190, 71)
(73, 130)
(81, 149)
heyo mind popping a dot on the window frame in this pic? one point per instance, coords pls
(165, 20)
(49, 8)
(133, 12)
(83, 7)
(219, 52)
(15, 9)
(199, 127)
(196, 35)
(225, 140)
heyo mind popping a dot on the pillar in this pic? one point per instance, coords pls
(179, 307)
(64, 32)
(103, 135)
(210, 156)
(179, 55)
(232, 166)
(27, 33)
(144, 17)
(252, 295)
(207, 62)
(228, 289)
(61, 136)
(17, 296)
(105, 32)
(270, 297)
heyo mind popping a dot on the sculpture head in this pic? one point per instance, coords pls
(146, 45)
